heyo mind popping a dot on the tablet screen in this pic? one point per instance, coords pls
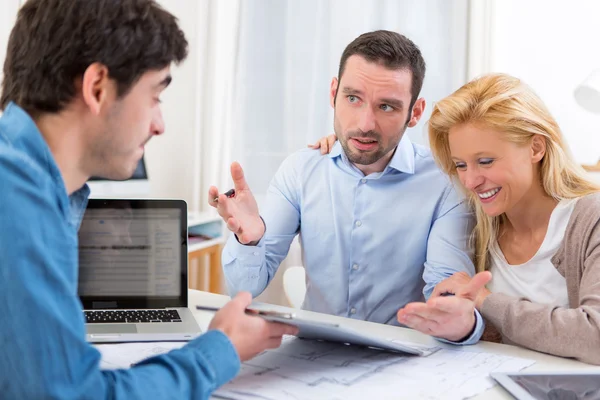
(559, 386)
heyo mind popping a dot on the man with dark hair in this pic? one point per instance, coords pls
(380, 225)
(80, 96)
(392, 50)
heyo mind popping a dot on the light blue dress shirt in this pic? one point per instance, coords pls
(370, 244)
(43, 351)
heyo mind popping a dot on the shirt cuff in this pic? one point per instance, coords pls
(216, 348)
(248, 255)
(474, 337)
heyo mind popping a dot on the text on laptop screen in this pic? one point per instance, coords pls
(130, 252)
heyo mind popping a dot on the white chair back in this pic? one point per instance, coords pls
(294, 285)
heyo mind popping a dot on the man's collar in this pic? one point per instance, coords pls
(403, 159)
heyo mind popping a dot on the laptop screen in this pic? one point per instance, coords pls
(133, 254)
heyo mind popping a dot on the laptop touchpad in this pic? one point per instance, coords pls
(111, 328)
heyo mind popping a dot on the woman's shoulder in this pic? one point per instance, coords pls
(581, 234)
(588, 206)
(585, 216)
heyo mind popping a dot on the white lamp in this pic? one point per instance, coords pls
(587, 93)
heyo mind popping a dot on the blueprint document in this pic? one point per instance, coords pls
(302, 369)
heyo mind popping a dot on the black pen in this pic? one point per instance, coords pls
(230, 193)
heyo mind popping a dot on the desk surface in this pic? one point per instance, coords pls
(544, 362)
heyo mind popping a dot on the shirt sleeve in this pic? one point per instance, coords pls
(251, 268)
(449, 252)
(42, 333)
(448, 246)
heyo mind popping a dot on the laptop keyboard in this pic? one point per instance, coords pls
(133, 316)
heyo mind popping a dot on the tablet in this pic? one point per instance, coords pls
(550, 385)
(331, 332)
(317, 330)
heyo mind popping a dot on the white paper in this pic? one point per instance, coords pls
(302, 369)
(123, 355)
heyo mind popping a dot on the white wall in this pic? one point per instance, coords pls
(8, 14)
(171, 158)
(553, 46)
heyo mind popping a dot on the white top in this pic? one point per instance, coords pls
(537, 279)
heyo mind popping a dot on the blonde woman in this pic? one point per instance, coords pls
(538, 220)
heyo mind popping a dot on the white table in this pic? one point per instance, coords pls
(544, 362)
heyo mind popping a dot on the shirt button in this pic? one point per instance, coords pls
(353, 310)
(355, 267)
(363, 180)
(255, 253)
(358, 223)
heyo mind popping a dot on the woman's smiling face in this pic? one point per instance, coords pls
(498, 172)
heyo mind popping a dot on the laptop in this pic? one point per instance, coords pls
(548, 385)
(133, 271)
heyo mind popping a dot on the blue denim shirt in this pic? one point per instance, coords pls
(370, 244)
(43, 351)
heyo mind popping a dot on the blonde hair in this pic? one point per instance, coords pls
(505, 104)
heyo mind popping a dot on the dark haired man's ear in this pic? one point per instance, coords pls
(538, 148)
(95, 87)
(417, 112)
(333, 91)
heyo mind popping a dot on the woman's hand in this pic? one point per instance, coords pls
(325, 144)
